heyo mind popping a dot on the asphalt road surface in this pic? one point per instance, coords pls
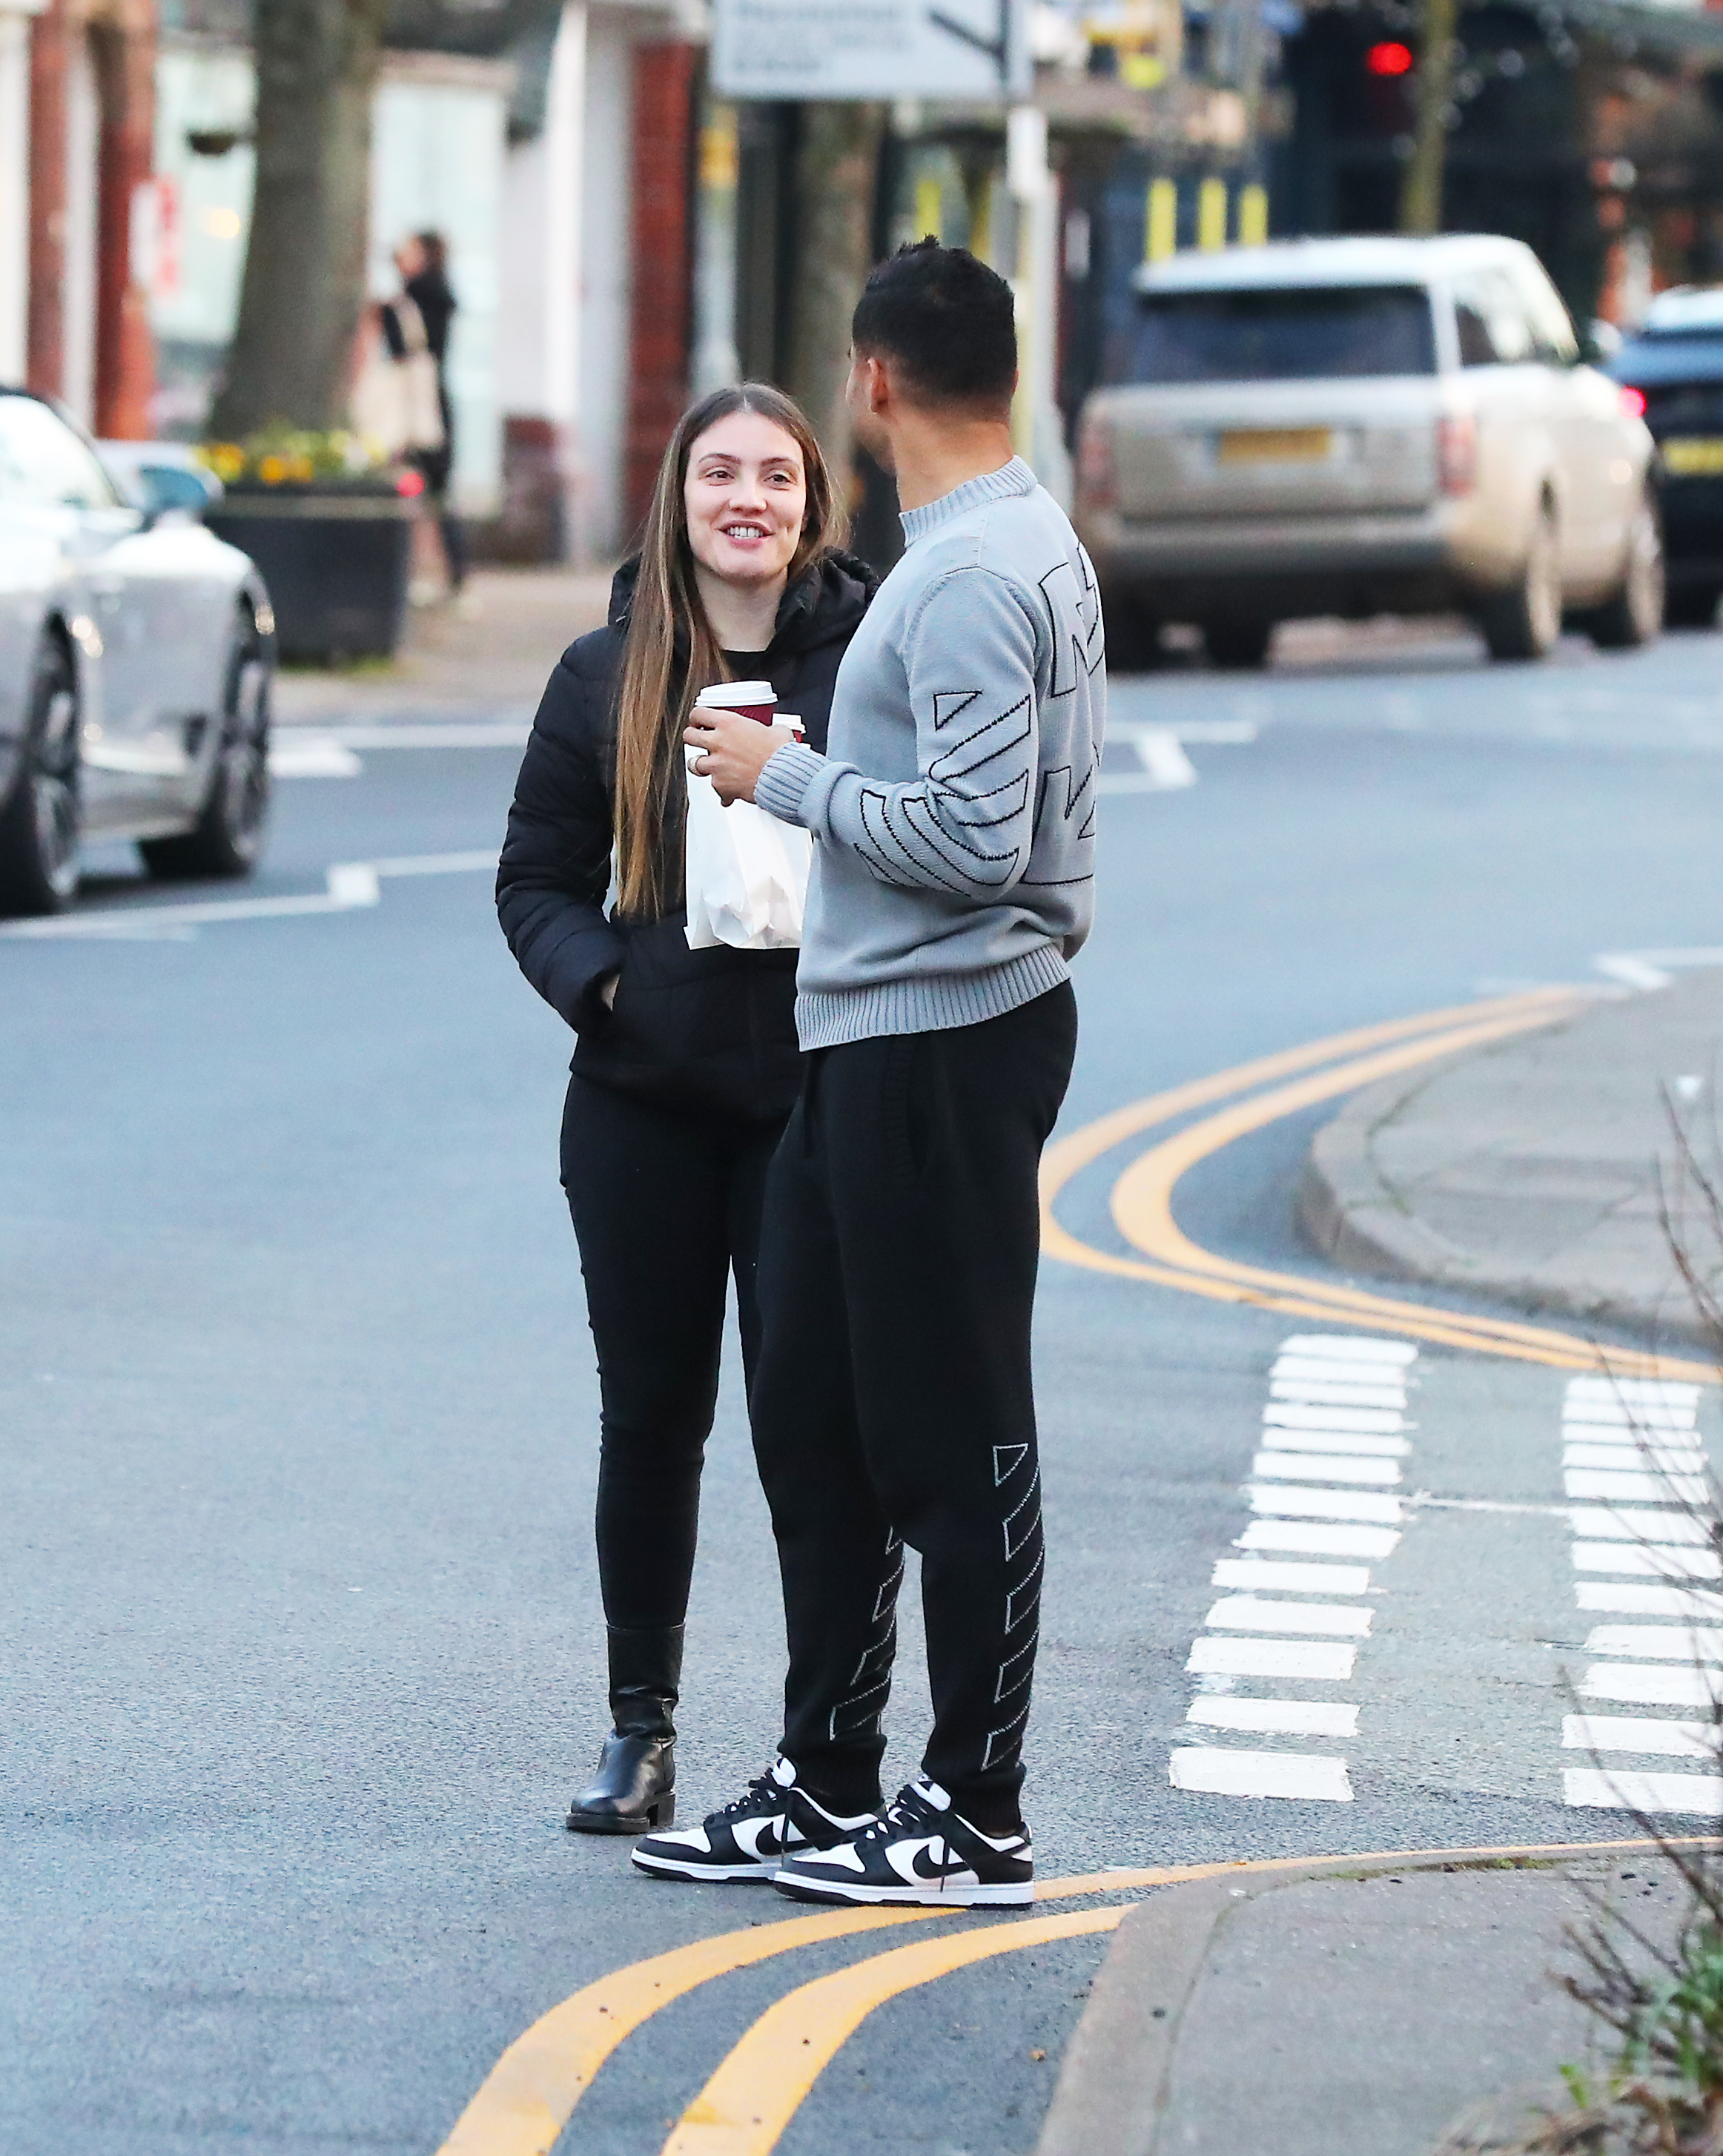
(297, 1420)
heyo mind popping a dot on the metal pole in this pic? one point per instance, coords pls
(716, 362)
(1421, 198)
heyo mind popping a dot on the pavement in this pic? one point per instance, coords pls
(1555, 1171)
(488, 651)
(297, 1417)
(1375, 2008)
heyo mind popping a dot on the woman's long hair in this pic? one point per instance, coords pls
(671, 654)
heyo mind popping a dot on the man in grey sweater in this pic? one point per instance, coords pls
(953, 877)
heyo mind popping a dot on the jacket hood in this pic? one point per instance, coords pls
(823, 606)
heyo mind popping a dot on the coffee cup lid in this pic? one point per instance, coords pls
(729, 695)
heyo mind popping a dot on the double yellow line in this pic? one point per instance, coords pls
(530, 2094)
(1142, 1197)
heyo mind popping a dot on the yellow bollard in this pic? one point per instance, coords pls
(1161, 231)
(930, 208)
(1211, 215)
(1253, 214)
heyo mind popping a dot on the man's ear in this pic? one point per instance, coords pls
(876, 383)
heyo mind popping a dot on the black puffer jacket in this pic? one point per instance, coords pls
(695, 1029)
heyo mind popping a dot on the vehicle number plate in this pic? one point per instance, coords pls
(1276, 445)
(1691, 456)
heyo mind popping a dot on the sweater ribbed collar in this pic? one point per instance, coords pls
(1012, 479)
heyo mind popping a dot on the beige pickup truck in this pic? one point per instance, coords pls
(1356, 427)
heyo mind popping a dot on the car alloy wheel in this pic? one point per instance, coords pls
(42, 824)
(227, 836)
(1633, 613)
(1525, 622)
(244, 766)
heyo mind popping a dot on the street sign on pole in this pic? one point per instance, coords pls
(971, 50)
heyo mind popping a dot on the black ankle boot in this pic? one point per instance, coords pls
(634, 1789)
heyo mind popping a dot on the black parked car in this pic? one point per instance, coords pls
(1675, 362)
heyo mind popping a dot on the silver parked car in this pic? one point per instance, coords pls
(1356, 427)
(137, 656)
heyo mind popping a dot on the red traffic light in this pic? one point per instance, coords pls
(1391, 59)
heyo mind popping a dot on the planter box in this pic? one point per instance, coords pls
(335, 559)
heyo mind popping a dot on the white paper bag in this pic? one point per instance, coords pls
(746, 872)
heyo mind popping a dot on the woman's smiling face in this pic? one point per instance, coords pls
(747, 499)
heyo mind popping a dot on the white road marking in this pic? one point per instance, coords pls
(1229, 1773)
(1636, 1732)
(1166, 767)
(1645, 1489)
(1379, 1422)
(1246, 1613)
(1340, 1370)
(1647, 1560)
(1627, 1415)
(1337, 1440)
(1312, 1392)
(1626, 1791)
(1360, 1424)
(1609, 1525)
(1277, 1718)
(451, 733)
(1343, 1348)
(1317, 1660)
(347, 886)
(1662, 1643)
(1666, 1459)
(295, 755)
(1321, 1540)
(1160, 751)
(1324, 1467)
(1250, 1572)
(1648, 1684)
(1324, 1505)
(1632, 1599)
(1649, 1392)
(1652, 969)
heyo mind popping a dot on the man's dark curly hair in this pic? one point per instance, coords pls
(946, 319)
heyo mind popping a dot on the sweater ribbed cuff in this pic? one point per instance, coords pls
(783, 786)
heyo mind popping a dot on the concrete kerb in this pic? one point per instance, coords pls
(1116, 2081)
(1350, 1212)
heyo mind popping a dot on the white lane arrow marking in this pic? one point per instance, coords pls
(348, 886)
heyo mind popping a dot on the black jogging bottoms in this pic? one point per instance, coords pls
(666, 1207)
(892, 1401)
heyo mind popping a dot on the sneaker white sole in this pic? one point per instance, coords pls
(725, 1875)
(1017, 1894)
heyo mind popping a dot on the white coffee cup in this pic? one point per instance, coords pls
(752, 700)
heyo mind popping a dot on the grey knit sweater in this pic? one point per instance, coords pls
(953, 813)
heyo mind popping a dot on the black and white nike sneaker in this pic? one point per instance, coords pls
(748, 1838)
(918, 1850)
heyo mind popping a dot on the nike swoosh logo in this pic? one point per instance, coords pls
(923, 1863)
(759, 1838)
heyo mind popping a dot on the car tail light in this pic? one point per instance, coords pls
(1632, 402)
(1456, 452)
(1096, 476)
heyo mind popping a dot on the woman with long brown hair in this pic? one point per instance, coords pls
(686, 1066)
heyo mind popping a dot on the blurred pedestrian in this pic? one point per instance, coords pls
(395, 400)
(422, 262)
(953, 819)
(686, 1064)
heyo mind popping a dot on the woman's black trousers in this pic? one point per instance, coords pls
(666, 1208)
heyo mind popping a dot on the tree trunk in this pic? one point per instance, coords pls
(1421, 198)
(305, 263)
(835, 166)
